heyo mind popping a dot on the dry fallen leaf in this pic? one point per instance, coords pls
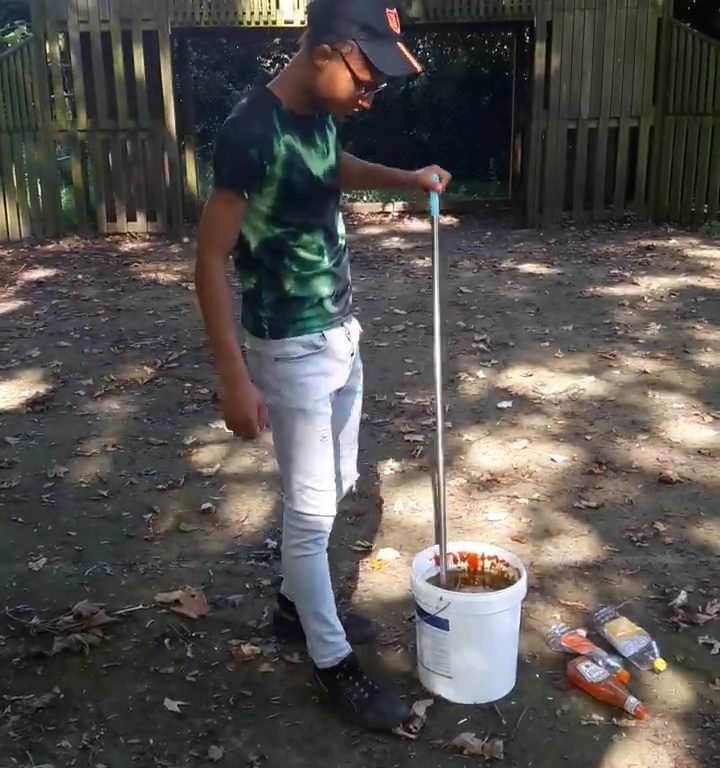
(412, 727)
(488, 749)
(37, 565)
(387, 554)
(266, 668)
(712, 642)
(715, 684)
(245, 652)
(92, 614)
(57, 472)
(710, 612)
(85, 609)
(504, 405)
(668, 477)
(185, 602)
(577, 604)
(189, 527)
(599, 468)
(76, 631)
(558, 458)
(77, 642)
(215, 754)
(174, 706)
(29, 705)
(587, 504)
(293, 658)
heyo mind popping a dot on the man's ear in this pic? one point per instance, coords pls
(321, 55)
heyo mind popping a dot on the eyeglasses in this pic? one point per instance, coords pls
(363, 88)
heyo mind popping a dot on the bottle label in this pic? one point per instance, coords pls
(627, 637)
(631, 705)
(592, 672)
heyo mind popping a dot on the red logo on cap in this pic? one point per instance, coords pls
(393, 18)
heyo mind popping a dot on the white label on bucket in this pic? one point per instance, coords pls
(433, 639)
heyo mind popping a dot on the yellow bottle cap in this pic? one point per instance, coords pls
(659, 665)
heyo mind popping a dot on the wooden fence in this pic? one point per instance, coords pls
(231, 13)
(29, 203)
(594, 108)
(113, 111)
(626, 114)
(444, 12)
(622, 115)
(292, 13)
(686, 177)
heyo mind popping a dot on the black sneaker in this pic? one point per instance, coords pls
(359, 700)
(358, 629)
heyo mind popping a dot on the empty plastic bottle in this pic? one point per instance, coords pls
(630, 640)
(565, 640)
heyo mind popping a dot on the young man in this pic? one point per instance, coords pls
(279, 172)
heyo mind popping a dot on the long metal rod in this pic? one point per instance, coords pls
(438, 357)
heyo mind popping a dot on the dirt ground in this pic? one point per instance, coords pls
(584, 398)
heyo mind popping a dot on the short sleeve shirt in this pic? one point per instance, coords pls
(291, 256)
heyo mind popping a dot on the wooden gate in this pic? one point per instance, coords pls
(686, 178)
(113, 115)
(595, 108)
(625, 111)
(29, 192)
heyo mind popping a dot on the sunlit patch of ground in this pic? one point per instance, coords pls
(583, 435)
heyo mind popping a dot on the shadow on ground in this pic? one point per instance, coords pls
(583, 372)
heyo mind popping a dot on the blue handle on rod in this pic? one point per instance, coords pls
(435, 200)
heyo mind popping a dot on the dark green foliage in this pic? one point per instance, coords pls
(14, 22)
(701, 14)
(457, 114)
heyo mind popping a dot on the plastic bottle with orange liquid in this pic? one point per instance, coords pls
(601, 685)
(565, 640)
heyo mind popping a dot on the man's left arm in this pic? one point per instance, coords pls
(359, 174)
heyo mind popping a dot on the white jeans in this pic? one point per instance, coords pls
(313, 388)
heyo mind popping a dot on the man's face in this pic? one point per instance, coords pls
(346, 81)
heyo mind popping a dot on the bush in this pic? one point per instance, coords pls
(711, 229)
(457, 114)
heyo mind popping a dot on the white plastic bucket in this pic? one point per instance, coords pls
(467, 642)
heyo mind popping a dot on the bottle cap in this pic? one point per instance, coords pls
(659, 665)
(623, 676)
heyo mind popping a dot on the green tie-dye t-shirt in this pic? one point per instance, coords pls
(291, 256)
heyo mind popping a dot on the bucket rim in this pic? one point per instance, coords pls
(476, 547)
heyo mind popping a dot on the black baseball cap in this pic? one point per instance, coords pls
(372, 24)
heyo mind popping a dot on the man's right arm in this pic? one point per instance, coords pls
(218, 232)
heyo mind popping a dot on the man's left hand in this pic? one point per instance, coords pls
(424, 179)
